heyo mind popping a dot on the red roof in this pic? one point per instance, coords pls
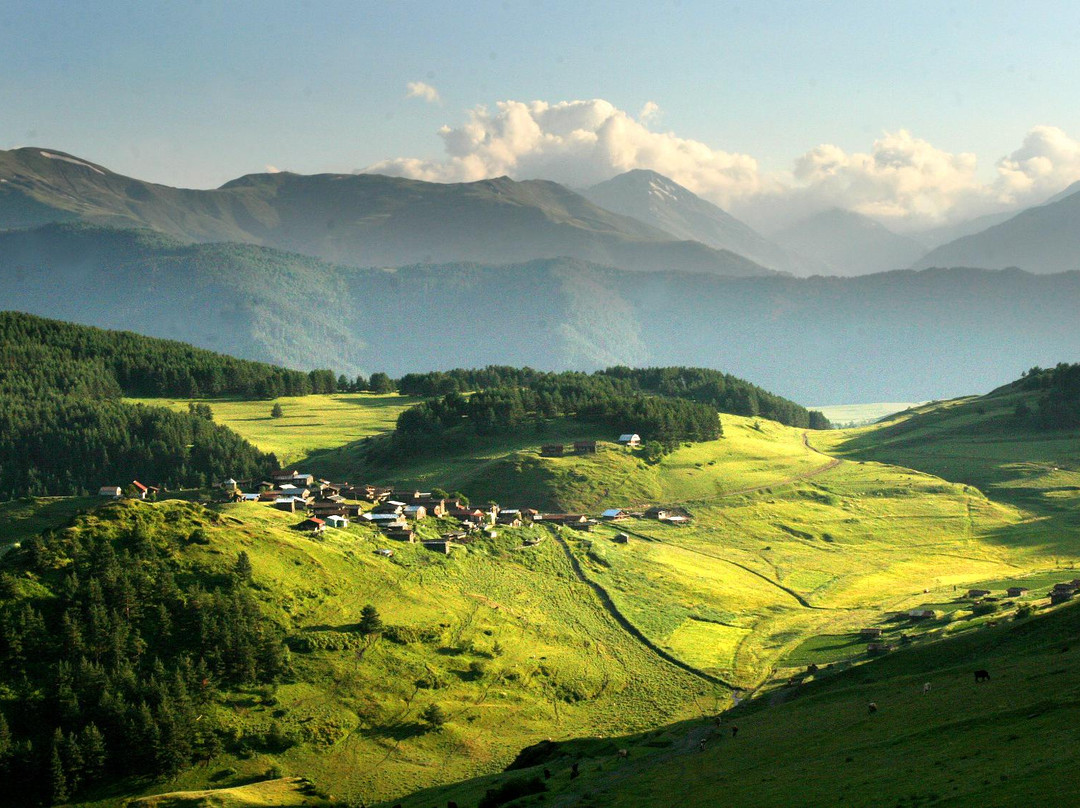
(139, 485)
(315, 520)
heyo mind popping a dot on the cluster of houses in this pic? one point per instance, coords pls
(396, 512)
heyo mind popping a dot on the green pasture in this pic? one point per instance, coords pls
(309, 424)
(994, 744)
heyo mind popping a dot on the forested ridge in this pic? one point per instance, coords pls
(120, 362)
(112, 649)
(666, 405)
(65, 430)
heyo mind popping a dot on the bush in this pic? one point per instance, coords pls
(984, 608)
(433, 716)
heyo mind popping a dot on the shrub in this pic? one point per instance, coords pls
(433, 716)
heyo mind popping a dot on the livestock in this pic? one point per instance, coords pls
(574, 771)
(451, 804)
(982, 676)
(811, 669)
(701, 745)
(871, 708)
(547, 774)
(624, 753)
(926, 688)
(734, 731)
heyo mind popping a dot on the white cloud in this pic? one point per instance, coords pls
(902, 180)
(423, 91)
(1046, 162)
(578, 143)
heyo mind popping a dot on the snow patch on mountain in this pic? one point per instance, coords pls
(72, 160)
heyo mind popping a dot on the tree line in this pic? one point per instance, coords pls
(1059, 400)
(722, 391)
(111, 651)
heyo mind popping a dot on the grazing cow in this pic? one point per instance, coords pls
(926, 688)
(871, 708)
(734, 731)
(624, 753)
(574, 772)
(811, 669)
(547, 774)
(982, 676)
(701, 745)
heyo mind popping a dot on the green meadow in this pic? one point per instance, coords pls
(308, 424)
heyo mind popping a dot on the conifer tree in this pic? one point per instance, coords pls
(370, 622)
(58, 786)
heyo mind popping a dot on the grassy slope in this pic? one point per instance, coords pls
(310, 424)
(550, 662)
(997, 744)
(994, 745)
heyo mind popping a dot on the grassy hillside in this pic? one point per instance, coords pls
(503, 639)
(309, 424)
(815, 743)
(994, 744)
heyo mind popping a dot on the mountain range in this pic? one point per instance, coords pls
(355, 219)
(897, 336)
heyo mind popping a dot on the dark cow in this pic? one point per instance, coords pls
(871, 708)
(734, 731)
(574, 771)
(547, 774)
(982, 676)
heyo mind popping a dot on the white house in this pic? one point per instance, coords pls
(336, 521)
(630, 439)
(113, 491)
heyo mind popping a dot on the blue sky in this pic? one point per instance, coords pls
(197, 93)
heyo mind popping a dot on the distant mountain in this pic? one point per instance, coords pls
(937, 236)
(849, 243)
(897, 336)
(1042, 239)
(359, 220)
(661, 202)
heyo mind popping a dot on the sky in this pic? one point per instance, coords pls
(917, 113)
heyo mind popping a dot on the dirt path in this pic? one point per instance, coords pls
(624, 621)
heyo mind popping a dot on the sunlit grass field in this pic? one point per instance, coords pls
(308, 424)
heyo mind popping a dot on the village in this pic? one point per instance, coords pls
(326, 505)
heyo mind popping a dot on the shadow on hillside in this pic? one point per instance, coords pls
(398, 732)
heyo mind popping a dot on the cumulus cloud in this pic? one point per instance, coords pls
(578, 143)
(1047, 161)
(901, 179)
(423, 91)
